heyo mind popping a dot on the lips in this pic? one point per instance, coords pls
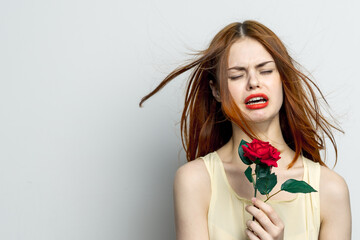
(256, 101)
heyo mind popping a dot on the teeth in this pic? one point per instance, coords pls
(252, 103)
(256, 100)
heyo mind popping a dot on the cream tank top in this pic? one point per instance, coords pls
(227, 216)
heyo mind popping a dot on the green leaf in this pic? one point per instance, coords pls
(262, 170)
(248, 174)
(245, 160)
(295, 186)
(266, 184)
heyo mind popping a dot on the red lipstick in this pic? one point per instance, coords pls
(256, 101)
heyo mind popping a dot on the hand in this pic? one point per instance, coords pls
(268, 225)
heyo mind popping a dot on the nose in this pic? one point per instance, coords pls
(253, 81)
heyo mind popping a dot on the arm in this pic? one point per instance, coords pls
(334, 207)
(192, 192)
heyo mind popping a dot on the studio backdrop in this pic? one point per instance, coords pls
(79, 160)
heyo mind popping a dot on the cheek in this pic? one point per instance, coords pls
(235, 89)
(281, 95)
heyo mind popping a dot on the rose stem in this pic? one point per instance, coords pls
(254, 196)
(273, 195)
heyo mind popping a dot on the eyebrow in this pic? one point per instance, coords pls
(243, 68)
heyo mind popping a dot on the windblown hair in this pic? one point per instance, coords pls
(206, 123)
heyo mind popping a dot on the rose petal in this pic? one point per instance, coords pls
(269, 162)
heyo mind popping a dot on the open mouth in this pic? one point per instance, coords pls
(255, 101)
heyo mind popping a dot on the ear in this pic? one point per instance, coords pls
(215, 92)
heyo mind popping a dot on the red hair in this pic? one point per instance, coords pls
(206, 123)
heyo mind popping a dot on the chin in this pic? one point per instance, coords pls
(261, 118)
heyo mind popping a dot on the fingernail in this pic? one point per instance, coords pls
(253, 200)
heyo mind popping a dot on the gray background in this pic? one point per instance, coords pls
(80, 160)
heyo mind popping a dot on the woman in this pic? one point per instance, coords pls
(245, 86)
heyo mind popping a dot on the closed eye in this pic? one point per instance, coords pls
(236, 77)
(266, 72)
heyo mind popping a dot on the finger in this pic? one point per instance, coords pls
(261, 217)
(251, 235)
(268, 210)
(257, 229)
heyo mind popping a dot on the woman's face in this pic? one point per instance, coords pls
(254, 81)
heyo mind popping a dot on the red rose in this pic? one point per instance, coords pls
(262, 150)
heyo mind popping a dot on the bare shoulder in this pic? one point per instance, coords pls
(334, 206)
(332, 185)
(193, 177)
(192, 193)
